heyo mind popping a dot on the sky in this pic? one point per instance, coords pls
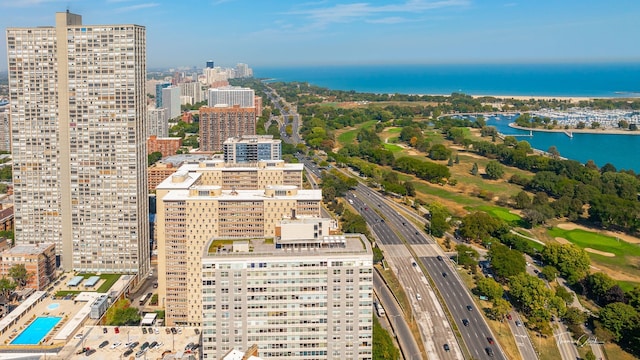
(345, 32)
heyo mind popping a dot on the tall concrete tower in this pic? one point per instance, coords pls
(78, 116)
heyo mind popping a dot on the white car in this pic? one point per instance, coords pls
(78, 336)
(115, 345)
(418, 297)
(159, 345)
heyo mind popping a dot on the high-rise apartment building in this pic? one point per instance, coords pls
(79, 134)
(301, 298)
(157, 122)
(243, 71)
(171, 102)
(210, 64)
(231, 95)
(5, 129)
(190, 213)
(159, 87)
(251, 148)
(192, 90)
(221, 122)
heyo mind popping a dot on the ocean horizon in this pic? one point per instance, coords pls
(603, 80)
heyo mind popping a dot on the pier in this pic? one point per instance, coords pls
(502, 136)
(568, 133)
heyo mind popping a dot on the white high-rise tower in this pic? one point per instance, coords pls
(78, 118)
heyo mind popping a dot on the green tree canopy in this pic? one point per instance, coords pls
(572, 261)
(619, 318)
(489, 288)
(494, 170)
(506, 262)
(19, 274)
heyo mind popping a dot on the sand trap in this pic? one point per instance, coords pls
(562, 240)
(625, 237)
(603, 253)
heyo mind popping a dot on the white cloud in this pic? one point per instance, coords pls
(136, 7)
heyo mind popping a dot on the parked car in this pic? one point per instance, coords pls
(103, 344)
(90, 352)
(115, 344)
(127, 353)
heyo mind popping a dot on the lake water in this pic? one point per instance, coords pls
(588, 80)
(619, 150)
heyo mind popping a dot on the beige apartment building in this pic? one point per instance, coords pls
(220, 122)
(191, 212)
(295, 297)
(78, 117)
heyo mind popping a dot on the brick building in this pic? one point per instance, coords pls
(167, 146)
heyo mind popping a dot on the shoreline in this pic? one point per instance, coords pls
(602, 131)
(571, 99)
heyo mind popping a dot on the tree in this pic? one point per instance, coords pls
(19, 274)
(467, 256)
(154, 157)
(553, 151)
(531, 295)
(438, 223)
(574, 316)
(522, 200)
(128, 316)
(590, 355)
(6, 287)
(506, 262)
(489, 288)
(474, 169)
(383, 347)
(597, 285)
(619, 318)
(494, 170)
(550, 273)
(572, 261)
(500, 309)
(481, 226)
(439, 152)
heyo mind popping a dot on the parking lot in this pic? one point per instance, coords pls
(114, 345)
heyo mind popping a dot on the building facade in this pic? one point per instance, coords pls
(221, 122)
(190, 213)
(5, 129)
(231, 95)
(159, 87)
(78, 115)
(167, 146)
(192, 90)
(171, 102)
(296, 299)
(157, 122)
(38, 259)
(252, 148)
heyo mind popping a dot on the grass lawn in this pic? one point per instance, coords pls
(395, 130)
(349, 136)
(393, 148)
(626, 255)
(501, 213)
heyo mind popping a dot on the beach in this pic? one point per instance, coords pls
(571, 99)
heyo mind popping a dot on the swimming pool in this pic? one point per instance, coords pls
(37, 330)
(53, 306)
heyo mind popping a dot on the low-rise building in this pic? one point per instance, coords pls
(166, 145)
(38, 259)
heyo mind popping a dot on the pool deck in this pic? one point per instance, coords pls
(67, 309)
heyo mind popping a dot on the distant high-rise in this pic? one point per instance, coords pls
(221, 122)
(251, 148)
(231, 95)
(243, 71)
(192, 90)
(210, 64)
(159, 88)
(78, 115)
(157, 122)
(171, 101)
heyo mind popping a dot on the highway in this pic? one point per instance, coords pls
(477, 335)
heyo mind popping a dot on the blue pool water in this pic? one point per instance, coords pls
(53, 306)
(37, 330)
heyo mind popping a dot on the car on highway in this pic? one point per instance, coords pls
(414, 264)
(518, 323)
(490, 340)
(446, 347)
(489, 351)
(444, 274)
(465, 322)
(509, 317)
(439, 257)
(469, 307)
(418, 297)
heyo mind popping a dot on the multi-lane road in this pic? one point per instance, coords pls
(394, 230)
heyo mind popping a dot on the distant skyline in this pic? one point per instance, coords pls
(290, 33)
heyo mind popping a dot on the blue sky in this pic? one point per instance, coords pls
(317, 32)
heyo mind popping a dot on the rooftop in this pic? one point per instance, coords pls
(28, 249)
